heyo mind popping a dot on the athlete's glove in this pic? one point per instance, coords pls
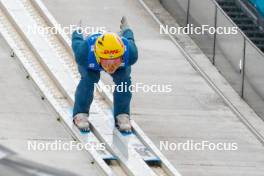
(124, 25)
(79, 26)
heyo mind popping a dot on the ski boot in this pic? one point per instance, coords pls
(123, 123)
(81, 121)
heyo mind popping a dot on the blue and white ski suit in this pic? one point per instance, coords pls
(90, 72)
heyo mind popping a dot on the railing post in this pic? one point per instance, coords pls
(188, 12)
(215, 25)
(243, 68)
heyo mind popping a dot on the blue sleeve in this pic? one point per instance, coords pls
(80, 48)
(132, 48)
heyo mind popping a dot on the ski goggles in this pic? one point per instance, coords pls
(111, 65)
(111, 61)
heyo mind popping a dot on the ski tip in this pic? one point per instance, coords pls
(110, 158)
(154, 162)
(85, 132)
(126, 133)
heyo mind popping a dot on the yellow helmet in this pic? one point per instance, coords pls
(108, 46)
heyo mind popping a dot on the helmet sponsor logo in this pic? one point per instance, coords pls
(111, 51)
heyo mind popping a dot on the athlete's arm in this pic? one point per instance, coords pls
(132, 48)
(80, 48)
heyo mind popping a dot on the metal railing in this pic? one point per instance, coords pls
(235, 56)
